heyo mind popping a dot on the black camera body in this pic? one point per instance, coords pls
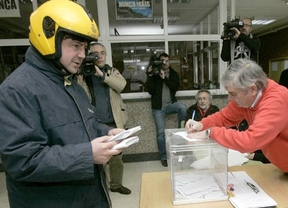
(156, 64)
(87, 68)
(228, 33)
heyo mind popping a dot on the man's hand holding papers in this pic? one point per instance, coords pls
(125, 139)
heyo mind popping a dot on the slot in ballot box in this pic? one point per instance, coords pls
(198, 168)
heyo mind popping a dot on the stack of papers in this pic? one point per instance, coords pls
(125, 134)
(125, 137)
(193, 186)
(244, 195)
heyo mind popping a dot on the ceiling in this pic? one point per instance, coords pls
(189, 13)
(264, 8)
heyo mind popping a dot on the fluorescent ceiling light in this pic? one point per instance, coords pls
(262, 21)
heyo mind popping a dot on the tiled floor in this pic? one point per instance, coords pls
(132, 180)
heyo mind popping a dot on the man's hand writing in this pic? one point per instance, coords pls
(193, 126)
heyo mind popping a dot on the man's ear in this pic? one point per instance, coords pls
(254, 90)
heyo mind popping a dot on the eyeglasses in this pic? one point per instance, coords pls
(102, 53)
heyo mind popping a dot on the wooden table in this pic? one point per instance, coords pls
(156, 189)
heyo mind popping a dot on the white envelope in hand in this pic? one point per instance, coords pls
(126, 142)
(125, 134)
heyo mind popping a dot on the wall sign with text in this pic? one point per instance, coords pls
(9, 8)
(133, 9)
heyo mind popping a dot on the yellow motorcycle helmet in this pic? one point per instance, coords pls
(53, 19)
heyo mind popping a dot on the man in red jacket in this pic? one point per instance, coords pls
(259, 100)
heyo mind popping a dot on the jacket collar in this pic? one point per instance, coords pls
(45, 66)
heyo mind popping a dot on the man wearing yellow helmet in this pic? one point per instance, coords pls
(52, 145)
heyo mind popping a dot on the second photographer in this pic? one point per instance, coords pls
(163, 82)
(242, 45)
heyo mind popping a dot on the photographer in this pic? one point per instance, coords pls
(163, 83)
(103, 88)
(242, 44)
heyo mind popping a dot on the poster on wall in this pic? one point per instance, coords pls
(285, 64)
(133, 9)
(274, 66)
(9, 8)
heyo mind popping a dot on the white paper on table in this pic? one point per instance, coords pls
(236, 158)
(245, 197)
(184, 134)
(197, 186)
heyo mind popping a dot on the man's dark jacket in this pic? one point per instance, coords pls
(155, 86)
(47, 124)
(252, 43)
(198, 116)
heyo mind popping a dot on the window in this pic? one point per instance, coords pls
(132, 60)
(196, 62)
(203, 21)
(11, 58)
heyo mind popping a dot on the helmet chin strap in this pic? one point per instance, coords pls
(58, 54)
(60, 67)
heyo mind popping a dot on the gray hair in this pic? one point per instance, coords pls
(243, 73)
(204, 90)
(97, 43)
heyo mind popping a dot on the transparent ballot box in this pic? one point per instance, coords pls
(198, 168)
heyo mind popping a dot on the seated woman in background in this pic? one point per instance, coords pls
(203, 107)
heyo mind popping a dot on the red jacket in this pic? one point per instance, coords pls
(268, 125)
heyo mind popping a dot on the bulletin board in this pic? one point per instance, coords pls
(276, 66)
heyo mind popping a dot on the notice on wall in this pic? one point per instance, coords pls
(133, 9)
(9, 8)
(274, 66)
(286, 64)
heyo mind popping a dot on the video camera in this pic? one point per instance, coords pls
(228, 33)
(156, 64)
(87, 68)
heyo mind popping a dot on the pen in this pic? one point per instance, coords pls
(193, 116)
(253, 187)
